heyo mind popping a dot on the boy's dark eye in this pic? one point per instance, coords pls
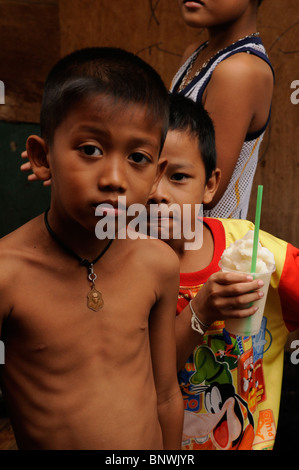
(90, 150)
(179, 177)
(139, 158)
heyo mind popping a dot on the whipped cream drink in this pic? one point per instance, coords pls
(238, 257)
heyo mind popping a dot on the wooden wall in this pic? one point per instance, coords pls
(35, 33)
(278, 170)
(29, 45)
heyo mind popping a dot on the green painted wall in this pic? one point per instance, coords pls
(20, 200)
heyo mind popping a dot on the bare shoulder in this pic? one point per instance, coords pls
(163, 255)
(245, 69)
(242, 85)
(159, 267)
(12, 249)
(155, 256)
(16, 247)
(156, 251)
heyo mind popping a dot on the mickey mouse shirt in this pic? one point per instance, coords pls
(231, 385)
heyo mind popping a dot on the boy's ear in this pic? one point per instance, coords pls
(211, 186)
(160, 171)
(37, 152)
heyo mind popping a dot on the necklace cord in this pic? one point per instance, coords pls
(83, 261)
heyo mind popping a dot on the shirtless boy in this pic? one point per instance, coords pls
(80, 374)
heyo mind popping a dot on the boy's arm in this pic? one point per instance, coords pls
(223, 296)
(238, 99)
(163, 349)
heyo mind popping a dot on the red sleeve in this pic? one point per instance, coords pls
(289, 288)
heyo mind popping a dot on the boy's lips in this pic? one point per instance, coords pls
(109, 207)
(193, 3)
(161, 213)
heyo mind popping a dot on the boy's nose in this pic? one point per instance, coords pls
(112, 176)
(160, 195)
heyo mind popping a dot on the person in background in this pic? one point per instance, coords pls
(230, 74)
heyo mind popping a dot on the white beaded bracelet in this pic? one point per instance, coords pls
(196, 324)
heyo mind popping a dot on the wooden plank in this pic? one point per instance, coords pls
(29, 38)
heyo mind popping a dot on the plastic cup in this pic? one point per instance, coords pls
(249, 326)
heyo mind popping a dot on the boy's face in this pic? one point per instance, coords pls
(208, 13)
(103, 150)
(184, 179)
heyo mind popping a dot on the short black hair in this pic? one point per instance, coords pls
(101, 70)
(187, 115)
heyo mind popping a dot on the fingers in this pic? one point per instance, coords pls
(241, 313)
(238, 306)
(231, 277)
(241, 288)
(47, 183)
(217, 301)
(26, 166)
(233, 284)
(241, 302)
(32, 177)
(233, 295)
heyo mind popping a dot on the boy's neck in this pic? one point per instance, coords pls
(72, 237)
(195, 260)
(221, 37)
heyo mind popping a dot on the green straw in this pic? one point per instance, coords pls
(256, 227)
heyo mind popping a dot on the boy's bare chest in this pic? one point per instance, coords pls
(52, 308)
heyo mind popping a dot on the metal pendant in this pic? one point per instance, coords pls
(95, 300)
